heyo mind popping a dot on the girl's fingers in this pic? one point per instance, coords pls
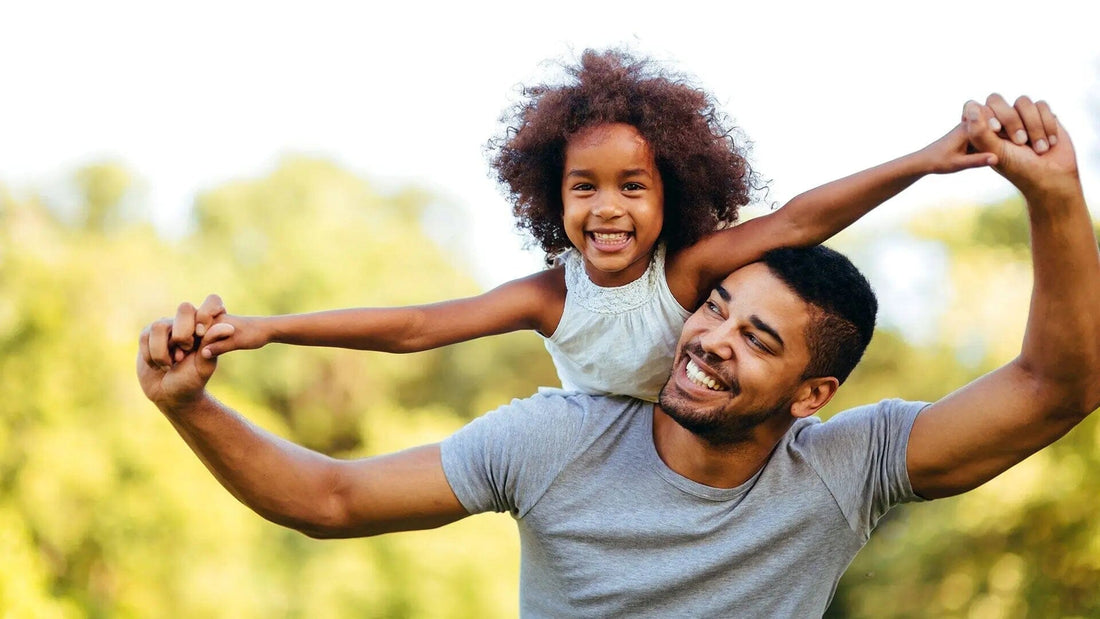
(207, 313)
(216, 340)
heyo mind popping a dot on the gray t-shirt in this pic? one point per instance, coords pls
(607, 529)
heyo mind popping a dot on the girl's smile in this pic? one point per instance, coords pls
(613, 202)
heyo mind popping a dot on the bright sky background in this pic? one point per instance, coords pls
(190, 95)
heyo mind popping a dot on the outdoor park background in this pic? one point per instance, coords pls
(295, 160)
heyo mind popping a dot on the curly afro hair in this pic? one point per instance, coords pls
(705, 173)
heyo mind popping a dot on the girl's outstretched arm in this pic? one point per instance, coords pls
(814, 216)
(534, 302)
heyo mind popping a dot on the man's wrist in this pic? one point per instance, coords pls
(1061, 189)
(182, 406)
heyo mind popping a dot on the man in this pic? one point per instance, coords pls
(727, 498)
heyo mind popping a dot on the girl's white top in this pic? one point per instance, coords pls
(616, 340)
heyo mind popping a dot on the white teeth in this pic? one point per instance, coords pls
(610, 237)
(700, 378)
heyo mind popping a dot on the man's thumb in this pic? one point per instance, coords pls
(981, 135)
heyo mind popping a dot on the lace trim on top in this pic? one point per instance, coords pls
(615, 299)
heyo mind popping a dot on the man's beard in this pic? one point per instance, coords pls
(716, 427)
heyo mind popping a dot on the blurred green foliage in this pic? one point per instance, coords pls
(104, 512)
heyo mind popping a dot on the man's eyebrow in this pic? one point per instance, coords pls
(722, 292)
(766, 328)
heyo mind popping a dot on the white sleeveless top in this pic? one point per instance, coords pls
(617, 340)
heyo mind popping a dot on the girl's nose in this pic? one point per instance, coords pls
(607, 209)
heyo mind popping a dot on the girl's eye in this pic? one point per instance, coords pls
(633, 187)
(583, 187)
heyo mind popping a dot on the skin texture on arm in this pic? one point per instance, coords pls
(813, 216)
(534, 302)
(998, 420)
(283, 482)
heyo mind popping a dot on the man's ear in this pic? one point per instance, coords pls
(813, 394)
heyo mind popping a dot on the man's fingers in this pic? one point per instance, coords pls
(155, 345)
(1007, 118)
(143, 348)
(982, 136)
(1033, 124)
(1050, 122)
(183, 328)
(208, 312)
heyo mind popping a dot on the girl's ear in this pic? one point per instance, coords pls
(813, 394)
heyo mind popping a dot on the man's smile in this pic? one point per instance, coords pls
(700, 377)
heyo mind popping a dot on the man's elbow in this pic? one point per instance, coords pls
(329, 523)
(1072, 394)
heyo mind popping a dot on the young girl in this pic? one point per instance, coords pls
(630, 181)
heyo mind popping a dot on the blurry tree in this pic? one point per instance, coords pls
(103, 187)
(103, 510)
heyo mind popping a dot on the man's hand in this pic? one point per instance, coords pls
(1033, 151)
(170, 371)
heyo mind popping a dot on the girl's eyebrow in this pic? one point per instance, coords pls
(624, 173)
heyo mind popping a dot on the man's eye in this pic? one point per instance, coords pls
(756, 343)
(712, 307)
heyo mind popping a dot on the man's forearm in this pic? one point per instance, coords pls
(1062, 340)
(283, 482)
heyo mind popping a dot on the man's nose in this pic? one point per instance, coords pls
(718, 341)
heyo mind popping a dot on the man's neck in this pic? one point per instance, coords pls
(725, 466)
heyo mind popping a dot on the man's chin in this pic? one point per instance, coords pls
(717, 427)
(688, 413)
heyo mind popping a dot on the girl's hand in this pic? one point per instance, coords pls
(953, 153)
(193, 324)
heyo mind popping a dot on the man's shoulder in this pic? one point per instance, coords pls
(855, 422)
(507, 458)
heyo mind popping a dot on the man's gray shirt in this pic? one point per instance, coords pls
(607, 529)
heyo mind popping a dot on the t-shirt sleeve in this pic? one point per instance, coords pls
(506, 459)
(860, 455)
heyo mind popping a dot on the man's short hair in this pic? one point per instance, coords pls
(843, 306)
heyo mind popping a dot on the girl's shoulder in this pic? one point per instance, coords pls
(544, 293)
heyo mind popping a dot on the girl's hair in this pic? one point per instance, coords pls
(705, 174)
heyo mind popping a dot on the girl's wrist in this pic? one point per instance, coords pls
(265, 327)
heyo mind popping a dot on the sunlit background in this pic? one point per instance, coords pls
(295, 157)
